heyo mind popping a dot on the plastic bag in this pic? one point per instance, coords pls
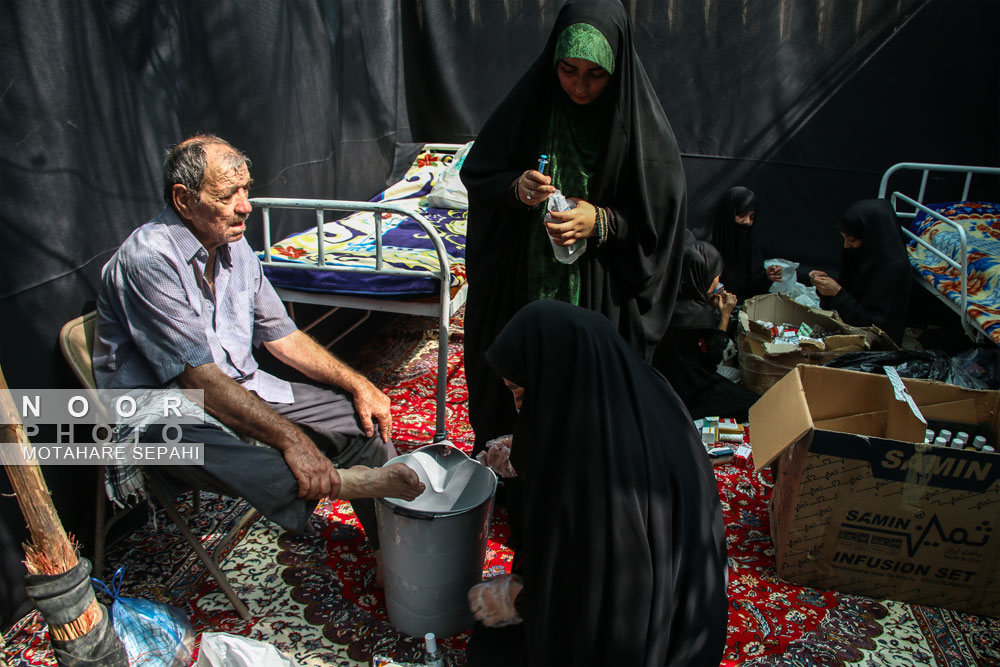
(221, 649)
(917, 364)
(154, 634)
(788, 284)
(982, 363)
(448, 190)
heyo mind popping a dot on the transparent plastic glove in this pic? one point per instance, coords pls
(496, 456)
(492, 602)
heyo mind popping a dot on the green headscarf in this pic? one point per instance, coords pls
(582, 40)
(575, 138)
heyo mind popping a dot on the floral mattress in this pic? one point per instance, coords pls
(350, 242)
(981, 222)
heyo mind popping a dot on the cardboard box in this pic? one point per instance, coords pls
(861, 505)
(762, 362)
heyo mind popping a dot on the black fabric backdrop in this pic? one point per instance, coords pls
(805, 101)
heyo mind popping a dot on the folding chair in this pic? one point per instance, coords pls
(76, 339)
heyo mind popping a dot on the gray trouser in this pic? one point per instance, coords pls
(259, 473)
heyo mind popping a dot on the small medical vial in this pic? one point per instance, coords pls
(979, 442)
(957, 443)
(945, 433)
(432, 657)
(929, 436)
(941, 441)
(988, 449)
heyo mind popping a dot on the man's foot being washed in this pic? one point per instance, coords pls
(393, 480)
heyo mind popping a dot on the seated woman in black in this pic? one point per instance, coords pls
(621, 555)
(874, 283)
(732, 234)
(696, 339)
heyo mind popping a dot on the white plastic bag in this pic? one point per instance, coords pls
(221, 649)
(448, 190)
(788, 284)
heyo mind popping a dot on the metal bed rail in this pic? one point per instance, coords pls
(443, 309)
(971, 327)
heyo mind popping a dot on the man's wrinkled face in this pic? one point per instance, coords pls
(219, 210)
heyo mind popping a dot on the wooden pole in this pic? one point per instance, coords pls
(50, 550)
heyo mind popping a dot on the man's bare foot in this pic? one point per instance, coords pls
(393, 480)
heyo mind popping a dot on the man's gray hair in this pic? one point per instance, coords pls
(185, 163)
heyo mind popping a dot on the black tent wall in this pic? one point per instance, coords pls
(806, 101)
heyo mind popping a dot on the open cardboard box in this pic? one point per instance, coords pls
(861, 505)
(764, 362)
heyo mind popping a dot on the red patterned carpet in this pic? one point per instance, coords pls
(313, 598)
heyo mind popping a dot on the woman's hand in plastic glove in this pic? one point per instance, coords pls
(496, 456)
(774, 273)
(492, 602)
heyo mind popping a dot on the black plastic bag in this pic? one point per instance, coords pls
(916, 364)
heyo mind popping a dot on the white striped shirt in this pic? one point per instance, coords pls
(156, 312)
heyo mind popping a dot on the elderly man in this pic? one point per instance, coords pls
(180, 304)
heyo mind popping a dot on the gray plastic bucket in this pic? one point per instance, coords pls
(434, 546)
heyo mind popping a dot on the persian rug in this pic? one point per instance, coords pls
(313, 596)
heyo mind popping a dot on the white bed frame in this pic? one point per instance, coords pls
(972, 328)
(443, 308)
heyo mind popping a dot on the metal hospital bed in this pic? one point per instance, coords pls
(440, 289)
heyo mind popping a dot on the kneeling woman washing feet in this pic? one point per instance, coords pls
(620, 553)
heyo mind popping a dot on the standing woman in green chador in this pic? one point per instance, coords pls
(588, 105)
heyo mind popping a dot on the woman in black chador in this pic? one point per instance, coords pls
(874, 283)
(587, 104)
(696, 340)
(732, 234)
(621, 556)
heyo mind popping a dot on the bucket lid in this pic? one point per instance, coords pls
(454, 482)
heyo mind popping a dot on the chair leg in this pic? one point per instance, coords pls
(199, 550)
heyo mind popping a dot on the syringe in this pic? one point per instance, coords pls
(543, 160)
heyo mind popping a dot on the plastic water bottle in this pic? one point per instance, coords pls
(567, 254)
(557, 202)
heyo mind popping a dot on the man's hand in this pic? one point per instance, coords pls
(373, 406)
(774, 273)
(246, 414)
(309, 357)
(315, 473)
